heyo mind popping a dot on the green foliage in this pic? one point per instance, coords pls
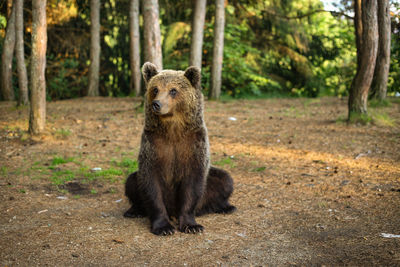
(64, 79)
(394, 71)
(3, 21)
(272, 47)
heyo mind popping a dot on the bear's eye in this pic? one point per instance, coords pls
(173, 92)
(155, 90)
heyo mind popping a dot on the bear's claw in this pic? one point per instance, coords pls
(192, 229)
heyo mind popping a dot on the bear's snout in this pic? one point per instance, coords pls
(156, 104)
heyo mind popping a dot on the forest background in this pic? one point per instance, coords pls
(271, 48)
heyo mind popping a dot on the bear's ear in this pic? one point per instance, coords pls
(149, 70)
(193, 74)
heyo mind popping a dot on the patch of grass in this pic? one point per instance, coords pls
(93, 191)
(61, 160)
(376, 103)
(61, 177)
(224, 162)
(129, 164)
(383, 119)
(108, 174)
(363, 119)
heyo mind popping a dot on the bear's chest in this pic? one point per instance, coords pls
(175, 158)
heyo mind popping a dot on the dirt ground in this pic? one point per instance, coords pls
(310, 189)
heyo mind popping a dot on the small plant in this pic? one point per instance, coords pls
(93, 191)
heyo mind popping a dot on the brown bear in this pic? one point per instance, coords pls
(175, 178)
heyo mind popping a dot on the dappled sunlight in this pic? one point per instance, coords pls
(303, 157)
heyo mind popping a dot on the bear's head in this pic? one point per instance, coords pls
(172, 95)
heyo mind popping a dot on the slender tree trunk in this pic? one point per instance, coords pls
(134, 35)
(94, 48)
(379, 83)
(218, 50)
(362, 81)
(37, 118)
(196, 48)
(7, 58)
(20, 54)
(358, 25)
(152, 36)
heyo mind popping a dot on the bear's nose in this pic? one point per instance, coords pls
(156, 104)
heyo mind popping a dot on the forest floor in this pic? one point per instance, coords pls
(310, 189)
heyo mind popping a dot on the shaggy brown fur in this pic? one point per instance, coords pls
(174, 177)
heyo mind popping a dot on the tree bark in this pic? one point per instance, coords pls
(20, 53)
(7, 58)
(37, 118)
(218, 50)
(362, 81)
(152, 36)
(358, 25)
(134, 35)
(94, 48)
(379, 83)
(196, 48)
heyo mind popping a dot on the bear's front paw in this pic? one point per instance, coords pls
(166, 229)
(191, 229)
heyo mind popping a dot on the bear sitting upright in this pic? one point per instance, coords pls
(175, 178)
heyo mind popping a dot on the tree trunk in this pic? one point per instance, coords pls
(379, 83)
(362, 81)
(134, 35)
(37, 118)
(218, 50)
(94, 48)
(196, 48)
(7, 58)
(152, 36)
(20, 54)
(358, 29)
